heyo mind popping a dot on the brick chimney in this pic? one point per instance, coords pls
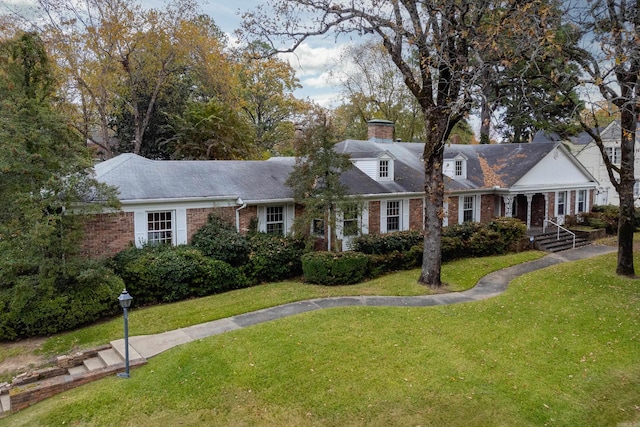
(380, 130)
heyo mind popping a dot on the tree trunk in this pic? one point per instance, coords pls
(628, 122)
(434, 192)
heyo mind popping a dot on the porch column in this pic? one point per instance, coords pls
(529, 199)
(508, 205)
(546, 211)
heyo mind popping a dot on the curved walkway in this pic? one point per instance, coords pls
(145, 346)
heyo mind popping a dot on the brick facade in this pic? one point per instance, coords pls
(107, 234)
(374, 217)
(416, 214)
(197, 218)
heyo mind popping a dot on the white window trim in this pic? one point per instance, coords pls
(404, 214)
(615, 152)
(178, 225)
(476, 208)
(566, 203)
(586, 201)
(390, 168)
(288, 213)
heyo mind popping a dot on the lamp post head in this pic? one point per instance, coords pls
(125, 299)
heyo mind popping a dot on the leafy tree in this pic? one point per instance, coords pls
(315, 179)
(436, 46)
(210, 131)
(612, 67)
(45, 168)
(267, 85)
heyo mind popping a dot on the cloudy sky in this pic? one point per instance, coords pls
(312, 61)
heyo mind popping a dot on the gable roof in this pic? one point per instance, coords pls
(489, 166)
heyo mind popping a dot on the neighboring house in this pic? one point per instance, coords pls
(588, 153)
(168, 201)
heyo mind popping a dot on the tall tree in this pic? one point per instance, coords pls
(45, 167)
(441, 36)
(611, 62)
(315, 179)
(266, 87)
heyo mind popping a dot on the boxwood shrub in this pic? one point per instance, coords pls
(177, 273)
(78, 293)
(273, 257)
(329, 268)
(378, 244)
(220, 240)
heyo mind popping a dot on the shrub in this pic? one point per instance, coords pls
(78, 293)
(220, 240)
(274, 257)
(474, 239)
(178, 273)
(378, 244)
(328, 268)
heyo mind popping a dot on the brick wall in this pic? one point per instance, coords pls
(197, 218)
(380, 130)
(416, 214)
(487, 207)
(374, 217)
(107, 234)
(453, 210)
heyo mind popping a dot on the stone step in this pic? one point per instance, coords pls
(5, 403)
(110, 357)
(118, 347)
(76, 370)
(94, 363)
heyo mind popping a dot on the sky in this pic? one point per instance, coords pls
(312, 61)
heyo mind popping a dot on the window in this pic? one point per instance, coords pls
(581, 203)
(160, 227)
(393, 216)
(275, 220)
(614, 154)
(317, 227)
(467, 209)
(383, 169)
(350, 221)
(458, 168)
(562, 202)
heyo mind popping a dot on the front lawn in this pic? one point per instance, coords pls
(560, 347)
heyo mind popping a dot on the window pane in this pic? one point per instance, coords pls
(275, 220)
(160, 227)
(393, 216)
(467, 209)
(384, 168)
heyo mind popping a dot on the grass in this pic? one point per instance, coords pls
(560, 347)
(459, 275)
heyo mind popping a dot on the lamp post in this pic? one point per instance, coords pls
(125, 302)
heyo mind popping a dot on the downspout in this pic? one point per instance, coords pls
(239, 201)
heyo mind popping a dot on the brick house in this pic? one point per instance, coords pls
(168, 201)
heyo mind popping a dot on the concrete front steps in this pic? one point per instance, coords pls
(69, 372)
(551, 242)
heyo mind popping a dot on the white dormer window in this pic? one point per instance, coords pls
(458, 167)
(383, 169)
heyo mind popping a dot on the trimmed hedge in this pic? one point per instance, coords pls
(220, 240)
(167, 274)
(46, 304)
(379, 244)
(472, 239)
(329, 268)
(273, 258)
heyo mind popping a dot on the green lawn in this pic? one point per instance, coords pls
(560, 347)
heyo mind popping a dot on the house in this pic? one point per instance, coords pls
(168, 201)
(585, 149)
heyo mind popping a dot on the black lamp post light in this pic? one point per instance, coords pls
(125, 302)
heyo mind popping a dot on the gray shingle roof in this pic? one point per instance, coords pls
(140, 179)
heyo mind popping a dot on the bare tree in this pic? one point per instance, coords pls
(611, 64)
(440, 36)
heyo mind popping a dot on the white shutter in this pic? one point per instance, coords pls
(339, 224)
(364, 219)
(140, 228)
(477, 200)
(383, 216)
(262, 219)
(289, 215)
(405, 215)
(181, 227)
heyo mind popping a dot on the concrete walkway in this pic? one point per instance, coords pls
(146, 346)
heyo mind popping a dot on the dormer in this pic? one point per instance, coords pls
(380, 168)
(456, 168)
